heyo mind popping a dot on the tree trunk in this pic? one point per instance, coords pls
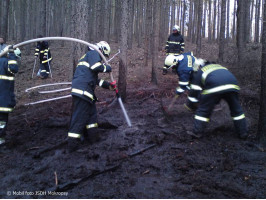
(228, 20)
(234, 22)
(209, 22)
(241, 45)
(199, 28)
(156, 14)
(261, 135)
(148, 23)
(204, 20)
(183, 18)
(247, 19)
(140, 17)
(214, 21)
(4, 19)
(130, 23)
(257, 21)
(195, 20)
(251, 20)
(218, 20)
(172, 13)
(222, 31)
(79, 13)
(122, 79)
(117, 20)
(42, 18)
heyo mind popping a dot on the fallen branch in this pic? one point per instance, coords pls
(37, 155)
(151, 96)
(56, 179)
(71, 184)
(124, 155)
(141, 150)
(32, 148)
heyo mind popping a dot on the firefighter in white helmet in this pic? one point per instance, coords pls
(84, 116)
(184, 66)
(175, 43)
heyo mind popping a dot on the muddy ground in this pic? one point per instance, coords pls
(154, 158)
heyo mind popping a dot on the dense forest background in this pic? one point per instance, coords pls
(96, 20)
(146, 23)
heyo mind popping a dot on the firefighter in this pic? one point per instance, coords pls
(184, 68)
(84, 116)
(8, 68)
(42, 50)
(214, 82)
(175, 44)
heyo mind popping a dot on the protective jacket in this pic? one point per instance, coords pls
(184, 70)
(212, 83)
(86, 76)
(212, 78)
(175, 44)
(8, 69)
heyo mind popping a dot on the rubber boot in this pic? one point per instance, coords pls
(73, 144)
(93, 135)
(241, 128)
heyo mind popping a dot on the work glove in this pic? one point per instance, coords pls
(164, 71)
(11, 49)
(176, 96)
(112, 86)
(108, 68)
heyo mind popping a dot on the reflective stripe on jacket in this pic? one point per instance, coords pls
(8, 68)
(86, 76)
(212, 78)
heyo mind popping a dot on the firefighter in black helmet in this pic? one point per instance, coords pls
(84, 115)
(8, 68)
(43, 51)
(214, 82)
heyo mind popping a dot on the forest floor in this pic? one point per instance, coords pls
(154, 158)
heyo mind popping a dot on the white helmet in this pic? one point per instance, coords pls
(170, 60)
(198, 62)
(173, 60)
(17, 52)
(104, 47)
(176, 27)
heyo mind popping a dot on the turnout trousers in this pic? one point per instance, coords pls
(84, 118)
(207, 104)
(45, 69)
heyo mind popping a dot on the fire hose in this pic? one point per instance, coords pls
(82, 42)
(62, 83)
